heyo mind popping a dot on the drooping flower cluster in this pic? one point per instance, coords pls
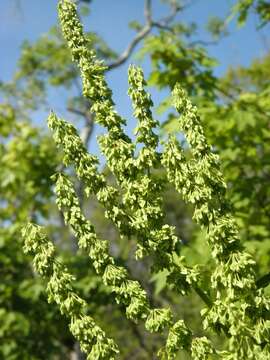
(236, 307)
(92, 338)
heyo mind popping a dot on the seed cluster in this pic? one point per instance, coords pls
(135, 206)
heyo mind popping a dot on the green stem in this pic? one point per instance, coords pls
(203, 295)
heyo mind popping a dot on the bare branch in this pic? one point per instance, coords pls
(203, 42)
(163, 23)
(176, 8)
(163, 27)
(168, 19)
(76, 111)
(85, 136)
(87, 130)
(148, 11)
(129, 50)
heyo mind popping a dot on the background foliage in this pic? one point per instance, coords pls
(235, 112)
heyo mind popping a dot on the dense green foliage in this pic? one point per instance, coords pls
(235, 294)
(145, 218)
(25, 316)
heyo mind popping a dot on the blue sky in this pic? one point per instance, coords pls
(28, 19)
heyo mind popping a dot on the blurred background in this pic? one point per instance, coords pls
(220, 53)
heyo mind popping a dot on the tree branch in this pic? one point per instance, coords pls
(203, 42)
(263, 282)
(140, 338)
(176, 8)
(162, 26)
(162, 23)
(87, 130)
(85, 136)
(129, 50)
(204, 296)
(148, 11)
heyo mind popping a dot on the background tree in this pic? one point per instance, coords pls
(175, 54)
